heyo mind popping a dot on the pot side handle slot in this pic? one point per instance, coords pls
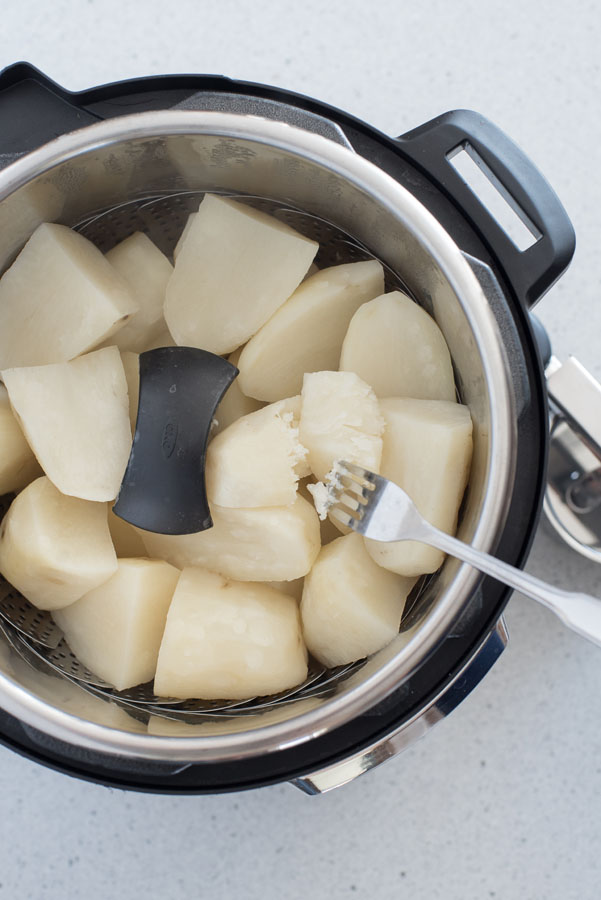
(531, 266)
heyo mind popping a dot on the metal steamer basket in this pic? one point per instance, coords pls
(139, 156)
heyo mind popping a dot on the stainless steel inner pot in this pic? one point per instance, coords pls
(162, 154)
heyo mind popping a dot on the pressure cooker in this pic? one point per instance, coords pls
(138, 155)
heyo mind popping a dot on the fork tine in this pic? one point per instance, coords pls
(344, 517)
(358, 473)
(351, 503)
(359, 491)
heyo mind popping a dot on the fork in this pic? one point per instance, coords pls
(379, 509)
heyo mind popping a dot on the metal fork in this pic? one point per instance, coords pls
(379, 509)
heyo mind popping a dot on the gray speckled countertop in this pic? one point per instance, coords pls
(503, 799)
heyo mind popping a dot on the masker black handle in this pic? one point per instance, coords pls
(532, 271)
(163, 489)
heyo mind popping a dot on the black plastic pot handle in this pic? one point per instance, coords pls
(35, 110)
(532, 271)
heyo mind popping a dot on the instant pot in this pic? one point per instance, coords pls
(138, 155)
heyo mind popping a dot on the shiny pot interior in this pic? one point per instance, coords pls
(149, 160)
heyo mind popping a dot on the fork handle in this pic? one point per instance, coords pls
(580, 612)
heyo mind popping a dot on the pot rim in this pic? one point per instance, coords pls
(406, 209)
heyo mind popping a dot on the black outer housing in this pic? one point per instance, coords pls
(33, 110)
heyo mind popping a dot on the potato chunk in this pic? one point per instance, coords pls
(340, 419)
(59, 298)
(75, 416)
(224, 639)
(184, 235)
(258, 460)
(146, 272)
(18, 465)
(164, 339)
(306, 333)
(350, 606)
(131, 368)
(125, 537)
(292, 588)
(427, 451)
(235, 404)
(398, 349)
(277, 543)
(235, 268)
(54, 548)
(116, 629)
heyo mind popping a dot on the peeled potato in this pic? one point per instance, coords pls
(398, 349)
(328, 528)
(235, 404)
(75, 416)
(54, 548)
(224, 639)
(184, 235)
(350, 606)
(278, 543)
(24, 210)
(235, 268)
(116, 629)
(258, 460)
(125, 537)
(292, 588)
(131, 367)
(340, 419)
(59, 298)
(427, 451)
(146, 272)
(306, 333)
(164, 339)
(18, 465)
